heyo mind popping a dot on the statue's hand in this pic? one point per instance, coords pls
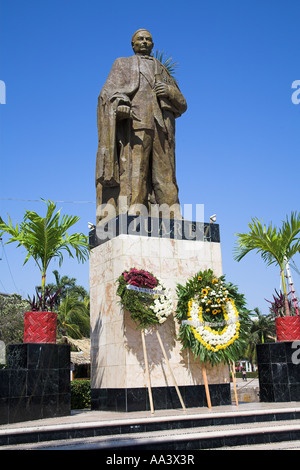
(123, 112)
(162, 90)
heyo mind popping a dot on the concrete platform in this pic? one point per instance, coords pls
(82, 417)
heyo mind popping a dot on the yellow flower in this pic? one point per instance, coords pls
(215, 312)
(218, 300)
(199, 278)
(214, 281)
(204, 291)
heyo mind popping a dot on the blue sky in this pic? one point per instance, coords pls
(237, 146)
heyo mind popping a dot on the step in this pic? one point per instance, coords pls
(283, 445)
(182, 432)
(178, 439)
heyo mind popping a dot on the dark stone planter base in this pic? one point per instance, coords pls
(279, 371)
(36, 383)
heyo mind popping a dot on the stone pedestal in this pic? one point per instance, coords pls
(279, 371)
(36, 383)
(118, 380)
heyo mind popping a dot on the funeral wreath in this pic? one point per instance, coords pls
(210, 323)
(145, 297)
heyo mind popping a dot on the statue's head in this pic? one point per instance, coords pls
(142, 42)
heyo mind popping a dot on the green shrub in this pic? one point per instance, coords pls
(80, 394)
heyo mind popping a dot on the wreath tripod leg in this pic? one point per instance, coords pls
(232, 367)
(147, 371)
(169, 366)
(206, 385)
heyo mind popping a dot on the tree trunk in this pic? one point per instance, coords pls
(286, 302)
(43, 290)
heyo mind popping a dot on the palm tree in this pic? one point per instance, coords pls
(45, 238)
(262, 330)
(276, 246)
(73, 317)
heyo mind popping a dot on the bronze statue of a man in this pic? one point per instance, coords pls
(136, 115)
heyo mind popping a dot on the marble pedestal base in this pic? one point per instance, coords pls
(118, 379)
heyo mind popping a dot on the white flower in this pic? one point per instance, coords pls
(163, 303)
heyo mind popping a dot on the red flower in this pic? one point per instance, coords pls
(140, 278)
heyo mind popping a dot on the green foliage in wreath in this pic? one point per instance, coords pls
(194, 289)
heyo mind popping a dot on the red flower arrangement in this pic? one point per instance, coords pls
(140, 278)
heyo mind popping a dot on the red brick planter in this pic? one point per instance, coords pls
(287, 328)
(40, 327)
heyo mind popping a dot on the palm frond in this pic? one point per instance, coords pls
(167, 62)
(289, 233)
(73, 317)
(263, 240)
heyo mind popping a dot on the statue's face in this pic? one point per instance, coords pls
(142, 43)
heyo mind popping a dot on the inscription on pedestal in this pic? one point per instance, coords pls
(153, 227)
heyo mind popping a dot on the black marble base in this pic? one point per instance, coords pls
(137, 399)
(153, 227)
(279, 371)
(36, 383)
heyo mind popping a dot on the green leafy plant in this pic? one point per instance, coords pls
(46, 238)
(12, 309)
(275, 245)
(80, 394)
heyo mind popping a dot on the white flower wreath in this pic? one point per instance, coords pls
(203, 331)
